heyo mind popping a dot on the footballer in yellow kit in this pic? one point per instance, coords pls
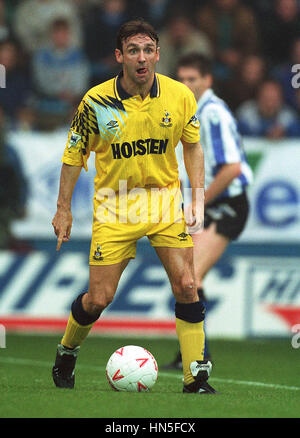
(134, 141)
(133, 123)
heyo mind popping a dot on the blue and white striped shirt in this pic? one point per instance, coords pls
(221, 143)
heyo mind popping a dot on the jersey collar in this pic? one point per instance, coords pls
(121, 94)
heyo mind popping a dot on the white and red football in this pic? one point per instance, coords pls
(132, 368)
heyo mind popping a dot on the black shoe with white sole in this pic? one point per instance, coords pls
(200, 370)
(63, 371)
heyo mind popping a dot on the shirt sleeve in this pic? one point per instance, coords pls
(221, 130)
(81, 136)
(191, 123)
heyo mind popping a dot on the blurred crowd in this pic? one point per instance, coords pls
(54, 51)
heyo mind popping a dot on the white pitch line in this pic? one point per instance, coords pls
(30, 362)
(240, 382)
(249, 383)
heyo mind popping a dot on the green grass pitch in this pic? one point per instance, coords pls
(256, 379)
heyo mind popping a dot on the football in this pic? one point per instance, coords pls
(132, 368)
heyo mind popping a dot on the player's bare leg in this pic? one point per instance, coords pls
(178, 263)
(103, 284)
(85, 311)
(209, 247)
(189, 312)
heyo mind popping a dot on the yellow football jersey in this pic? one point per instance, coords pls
(133, 139)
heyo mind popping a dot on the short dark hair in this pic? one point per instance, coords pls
(134, 27)
(198, 61)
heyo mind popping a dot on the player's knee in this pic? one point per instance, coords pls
(99, 303)
(184, 288)
(99, 300)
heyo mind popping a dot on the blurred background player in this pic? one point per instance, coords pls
(227, 173)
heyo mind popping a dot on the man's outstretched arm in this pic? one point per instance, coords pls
(62, 221)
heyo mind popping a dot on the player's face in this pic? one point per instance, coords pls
(192, 78)
(139, 57)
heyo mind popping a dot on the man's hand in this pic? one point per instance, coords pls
(62, 224)
(194, 212)
(62, 221)
(276, 132)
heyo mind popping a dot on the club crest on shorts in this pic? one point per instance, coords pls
(98, 253)
(166, 120)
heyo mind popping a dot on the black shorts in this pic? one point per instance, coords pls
(229, 214)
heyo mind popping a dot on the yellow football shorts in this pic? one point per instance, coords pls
(121, 219)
